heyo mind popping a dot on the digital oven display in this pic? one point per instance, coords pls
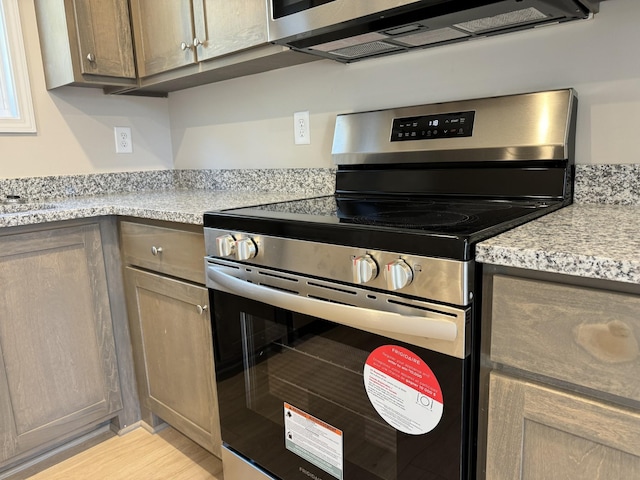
(427, 127)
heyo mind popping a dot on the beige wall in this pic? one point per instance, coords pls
(75, 126)
(248, 122)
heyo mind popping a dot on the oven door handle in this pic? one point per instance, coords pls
(357, 317)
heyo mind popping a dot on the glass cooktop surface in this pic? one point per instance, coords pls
(377, 222)
(428, 215)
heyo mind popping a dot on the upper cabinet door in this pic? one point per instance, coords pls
(164, 33)
(224, 27)
(86, 42)
(104, 37)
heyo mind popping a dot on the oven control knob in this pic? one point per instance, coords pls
(226, 245)
(246, 249)
(398, 274)
(364, 269)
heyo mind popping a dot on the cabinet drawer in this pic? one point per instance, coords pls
(175, 252)
(579, 335)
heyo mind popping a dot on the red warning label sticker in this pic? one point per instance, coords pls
(403, 389)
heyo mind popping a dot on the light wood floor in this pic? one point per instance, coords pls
(139, 455)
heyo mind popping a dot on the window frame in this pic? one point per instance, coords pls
(14, 75)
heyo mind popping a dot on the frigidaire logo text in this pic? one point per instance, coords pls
(309, 474)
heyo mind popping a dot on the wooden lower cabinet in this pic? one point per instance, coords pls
(173, 353)
(58, 366)
(537, 432)
(562, 364)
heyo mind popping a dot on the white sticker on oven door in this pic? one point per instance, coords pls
(314, 440)
(403, 389)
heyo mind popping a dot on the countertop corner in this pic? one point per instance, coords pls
(585, 240)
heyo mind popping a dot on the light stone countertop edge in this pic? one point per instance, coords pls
(180, 206)
(584, 240)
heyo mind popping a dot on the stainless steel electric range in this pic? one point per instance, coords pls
(347, 327)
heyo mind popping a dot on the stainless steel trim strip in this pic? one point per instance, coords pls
(237, 468)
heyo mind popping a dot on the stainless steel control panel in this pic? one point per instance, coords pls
(437, 279)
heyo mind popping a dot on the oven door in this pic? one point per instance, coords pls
(305, 397)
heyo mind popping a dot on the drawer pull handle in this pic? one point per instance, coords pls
(201, 309)
(155, 251)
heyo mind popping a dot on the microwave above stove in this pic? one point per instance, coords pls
(346, 30)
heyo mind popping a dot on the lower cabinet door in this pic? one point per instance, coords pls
(173, 352)
(539, 433)
(58, 367)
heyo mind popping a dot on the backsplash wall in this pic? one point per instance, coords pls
(75, 126)
(248, 122)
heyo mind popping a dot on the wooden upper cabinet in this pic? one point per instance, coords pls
(164, 33)
(153, 47)
(104, 35)
(86, 42)
(225, 27)
(170, 34)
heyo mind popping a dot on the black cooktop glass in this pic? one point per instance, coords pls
(443, 216)
(428, 226)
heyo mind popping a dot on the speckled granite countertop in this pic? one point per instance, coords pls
(587, 240)
(171, 195)
(183, 206)
(597, 237)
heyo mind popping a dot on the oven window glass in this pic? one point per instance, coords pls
(268, 359)
(282, 8)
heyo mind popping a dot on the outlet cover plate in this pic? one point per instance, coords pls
(124, 143)
(302, 135)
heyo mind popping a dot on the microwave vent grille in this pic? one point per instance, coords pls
(366, 49)
(518, 17)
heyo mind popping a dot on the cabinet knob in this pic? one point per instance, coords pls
(201, 309)
(185, 46)
(155, 251)
(91, 57)
(196, 42)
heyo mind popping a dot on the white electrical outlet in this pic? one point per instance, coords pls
(301, 133)
(124, 142)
